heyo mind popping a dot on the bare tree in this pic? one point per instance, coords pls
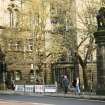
(86, 27)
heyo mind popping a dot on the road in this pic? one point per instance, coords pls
(45, 100)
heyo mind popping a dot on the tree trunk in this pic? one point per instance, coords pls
(84, 69)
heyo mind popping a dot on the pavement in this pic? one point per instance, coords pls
(83, 95)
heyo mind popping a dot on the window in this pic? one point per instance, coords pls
(17, 45)
(10, 44)
(17, 75)
(32, 76)
(30, 44)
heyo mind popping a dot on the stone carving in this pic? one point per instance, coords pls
(101, 18)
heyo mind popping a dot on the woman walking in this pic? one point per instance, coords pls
(77, 86)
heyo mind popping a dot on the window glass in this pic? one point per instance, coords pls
(17, 75)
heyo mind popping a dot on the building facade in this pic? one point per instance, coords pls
(39, 41)
(63, 20)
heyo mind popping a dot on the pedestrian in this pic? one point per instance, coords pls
(77, 86)
(65, 83)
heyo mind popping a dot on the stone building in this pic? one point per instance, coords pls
(24, 40)
(63, 20)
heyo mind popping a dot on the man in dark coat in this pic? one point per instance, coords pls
(65, 83)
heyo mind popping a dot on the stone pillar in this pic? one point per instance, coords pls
(100, 41)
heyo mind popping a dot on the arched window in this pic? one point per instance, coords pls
(31, 75)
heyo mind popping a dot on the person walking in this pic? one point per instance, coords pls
(77, 86)
(65, 83)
